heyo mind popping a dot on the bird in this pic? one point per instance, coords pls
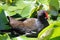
(30, 26)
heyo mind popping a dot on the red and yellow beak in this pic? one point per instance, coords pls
(46, 15)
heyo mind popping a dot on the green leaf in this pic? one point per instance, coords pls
(51, 32)
(56, 32)
(4, 37)
(21, 7)
(44, 2)
(54, 4)
(24, 38)
(28, 8)
(3, 20)
(27, 11)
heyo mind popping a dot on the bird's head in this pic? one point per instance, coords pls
(42, 17)
(42, 14)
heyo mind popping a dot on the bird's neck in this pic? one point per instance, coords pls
(41, 18)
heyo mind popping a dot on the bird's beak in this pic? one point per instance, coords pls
(46, 15)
